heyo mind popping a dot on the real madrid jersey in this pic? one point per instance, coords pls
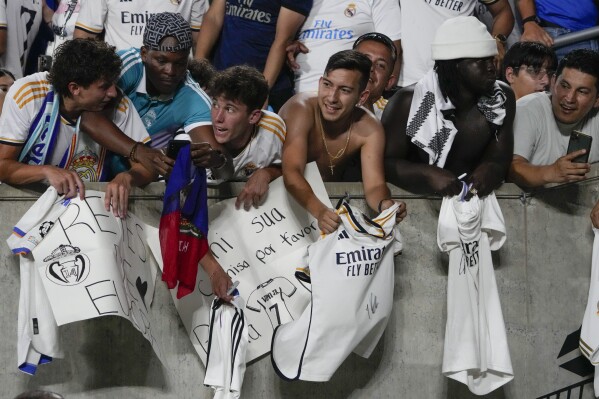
(124, 20)
(27, 16)
(333, 26)
(73, 150)
(265, 147)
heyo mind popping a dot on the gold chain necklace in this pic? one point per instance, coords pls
(324, 140)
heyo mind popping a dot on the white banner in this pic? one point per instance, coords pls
(259, 248)
(93, 264)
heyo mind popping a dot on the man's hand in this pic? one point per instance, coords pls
(203, 155)
(445, 183)
(221, 282)
(117, 195)
(328, 220)
(483, 180)
(402, 211)
(564, 170)
(595, 215)
(65, 181)
(153, 160)
(293, 50)
(254, 191)
(535, 33)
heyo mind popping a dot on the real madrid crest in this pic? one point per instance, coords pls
(351, 10)
(69, 266)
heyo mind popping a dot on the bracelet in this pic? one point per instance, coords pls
(223, 157)
(132, 152)
(532, 18)
(381, 203)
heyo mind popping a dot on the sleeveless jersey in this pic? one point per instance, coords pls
(352, 276)
(476, 352)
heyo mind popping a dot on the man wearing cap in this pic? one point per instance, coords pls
(167, 98)
(456, 122)
(382, 53)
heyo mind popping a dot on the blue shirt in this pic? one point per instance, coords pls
(570, 14)
(188, 108)
(248, 33)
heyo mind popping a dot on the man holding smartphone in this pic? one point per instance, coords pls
(545, 122)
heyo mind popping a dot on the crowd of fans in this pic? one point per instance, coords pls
(417, 93)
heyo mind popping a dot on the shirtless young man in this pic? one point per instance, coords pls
(455, 121)
(330, 128)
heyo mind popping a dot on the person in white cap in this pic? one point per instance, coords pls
(455, 124)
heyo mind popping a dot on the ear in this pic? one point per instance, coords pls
(391, 82)
(553, 82)
(74, 88)
(144, 54)
(510, 76)
(255, 116)
(363, 97)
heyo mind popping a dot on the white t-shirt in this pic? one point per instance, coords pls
(540, 139)
(27, 16)
(333, 26)
(419, 22)
(264, 149)
(63, 23)
(125, 21)
(74, 151)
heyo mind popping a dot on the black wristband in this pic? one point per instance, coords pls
(532, 18)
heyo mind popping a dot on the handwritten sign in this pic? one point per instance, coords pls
(93, 264)
(261, 249)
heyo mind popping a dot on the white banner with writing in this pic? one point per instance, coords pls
(259, 248)
(93, 264)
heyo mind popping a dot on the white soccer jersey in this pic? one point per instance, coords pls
(72, 149)
(265, 147)
(25, 17)
(589, 334)
(227, 345)
(63, 23)
(379, 107)
(352, 275)
(419, 23)
(333, 26)
(37, 337)
(270, 297)
(125, 21)
(476, 352)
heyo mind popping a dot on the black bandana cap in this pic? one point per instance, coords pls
(167, 24)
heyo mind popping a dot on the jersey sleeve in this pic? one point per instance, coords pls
(130, 123)
(287, 286)
(92, 14)
(198, 10)
(302, 7)
(17, 114)
(198, 106)
(131, 70)
(386, 16)
(252, 302)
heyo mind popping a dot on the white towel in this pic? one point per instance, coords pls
(430, 130)
(476, 352)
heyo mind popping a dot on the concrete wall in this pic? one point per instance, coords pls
(542, 272)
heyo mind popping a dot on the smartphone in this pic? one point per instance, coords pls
(174, 146)
(580, 141)
(44, 63)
